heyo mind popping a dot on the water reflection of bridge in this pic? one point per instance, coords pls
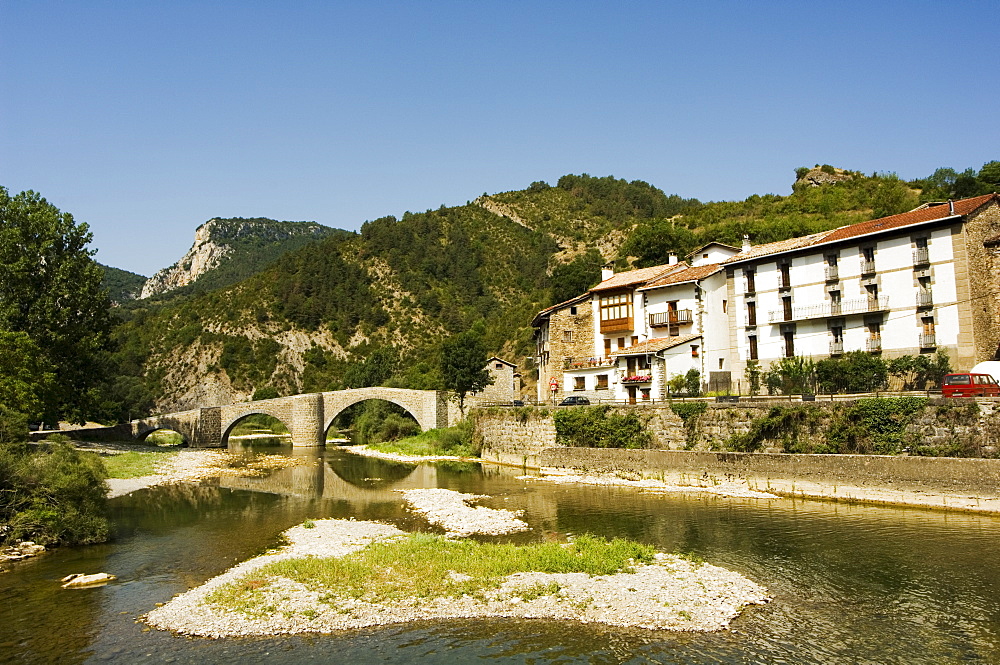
(363, 480)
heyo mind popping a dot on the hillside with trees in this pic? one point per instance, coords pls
(400, 286)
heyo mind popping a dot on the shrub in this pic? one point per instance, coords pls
(874, 426)
(790, 376)
(597, 427)
(55, 496)
(689, 412)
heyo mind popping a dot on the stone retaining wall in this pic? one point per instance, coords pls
(934, 482)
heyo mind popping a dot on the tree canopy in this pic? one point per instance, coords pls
(50, 290)
(463, 364)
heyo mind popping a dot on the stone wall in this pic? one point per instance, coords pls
(935, 482)
(514, 436)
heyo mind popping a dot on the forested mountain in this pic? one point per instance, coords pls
(373, 307)
(121, 285)
(226, 251)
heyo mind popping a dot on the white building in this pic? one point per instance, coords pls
(902, 285)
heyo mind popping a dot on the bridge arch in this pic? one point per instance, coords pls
(331, 417)
(279, 409)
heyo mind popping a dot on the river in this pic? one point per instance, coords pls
(851, 584)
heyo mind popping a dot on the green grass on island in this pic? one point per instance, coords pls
(435, 567)
(455, 441)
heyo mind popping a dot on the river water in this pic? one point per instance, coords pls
(851, 584)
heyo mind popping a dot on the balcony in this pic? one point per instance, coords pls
(827, 309)
(837, 347)
(873, 344)
(921, 256)
(867, 267)
(832, 273)
(584, 363)
(928, 341)
(635, 378)
(924, 299)
(670, 318)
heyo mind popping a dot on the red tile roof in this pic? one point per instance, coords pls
(633, 277)
(656, 344)
(686, 275)
(925, 213)
(942, 211)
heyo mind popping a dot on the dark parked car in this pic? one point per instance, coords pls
(574, 400)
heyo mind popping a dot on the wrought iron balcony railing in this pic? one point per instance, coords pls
(921, 256)
(867, 267)
(924, 299)
(836, 347)
(832, 273)
(928, 341)
(873, 344)
(827, 309)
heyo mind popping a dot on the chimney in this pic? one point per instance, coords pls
(746, 243)
(951, 207)
(671, 259)
(607, 271)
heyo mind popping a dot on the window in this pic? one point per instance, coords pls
(751, 287)
(725, 304)
(635, 340)
(579, 383)
(751, 313)
(789, 343)
(621, 343)
(572, 310)
(831, 260)
(645, 394)
(753, 347)
(616, 307)
(499, 365)
(694, 350)
(643, 362)
(602, 382)
(567, 337)
(786, 277)
(835, 302)
(721, 360)
(607, 348)
(786, 307)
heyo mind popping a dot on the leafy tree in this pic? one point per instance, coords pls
(26, 379)
(692, 382)
(375, 370)
(753, 374)
(576, 277)
(652, 242)
(50, 290)
(790, 376)
(463, 364)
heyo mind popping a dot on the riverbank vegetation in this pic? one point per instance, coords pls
(453, 441)
(435, 567)
(600, 427)
(53, 496)
(135, 463)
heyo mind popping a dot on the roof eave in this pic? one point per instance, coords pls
(734, 262)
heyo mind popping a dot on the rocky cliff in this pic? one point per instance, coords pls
(219, 242)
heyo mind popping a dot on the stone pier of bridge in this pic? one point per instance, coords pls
(307, 417)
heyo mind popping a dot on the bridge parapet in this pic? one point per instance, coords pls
(307, 416)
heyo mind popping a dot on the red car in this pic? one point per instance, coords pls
(970, 385)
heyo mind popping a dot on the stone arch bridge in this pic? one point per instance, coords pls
(307, 417)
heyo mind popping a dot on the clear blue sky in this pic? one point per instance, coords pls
(144, 119)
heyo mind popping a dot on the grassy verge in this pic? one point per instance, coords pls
(434, 567)
(455, 440)
(134, 464)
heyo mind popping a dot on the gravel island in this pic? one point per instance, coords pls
(670, 593)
